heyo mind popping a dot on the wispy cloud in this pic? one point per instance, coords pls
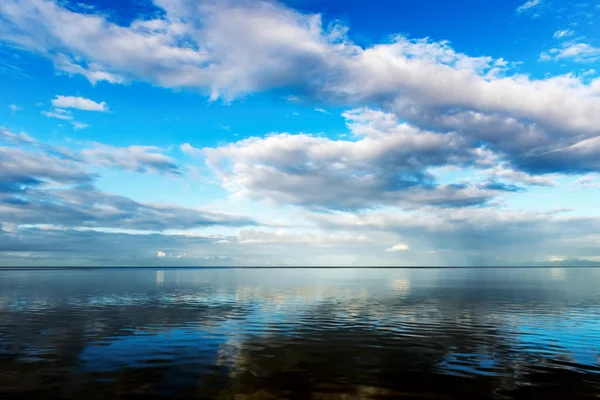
(79, 103)
(576, 52)
(528, 5)
(45, 185)
(251, 236)
(132, 158)
(59, 113)
(79, 125)
(563, 33)
(294, 99)
(14, 108)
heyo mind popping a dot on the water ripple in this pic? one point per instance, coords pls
(286, 334)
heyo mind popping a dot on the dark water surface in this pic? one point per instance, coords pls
(300, 334)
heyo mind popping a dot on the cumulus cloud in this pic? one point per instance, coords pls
(386, 164)
(456, 111)
(526, 146)
(398, 247)
(160, 254)
(188, 149)
(208, 45)
(79, 103)
(502, 171)
(231, 48)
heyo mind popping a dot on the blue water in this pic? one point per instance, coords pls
(300, 333)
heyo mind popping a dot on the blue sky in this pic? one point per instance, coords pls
(175, 132)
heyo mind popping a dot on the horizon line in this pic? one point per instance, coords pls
(58, 268)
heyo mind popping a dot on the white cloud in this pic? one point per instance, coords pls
(563, 33)
(528, 5)
(20, 138)
(223, 38)
(59, 114)
(59, 194)
(385, 164)
(14, 108)
(79, 103)
(294, 99)
(41, 184)
(459, 111)
(577, 52)
(472, 236)
(79, 125)
(92, 73)
(132, 158)
(251, 236)
(398, 247)
(502, 171)
(556, 258)
(588, 182)
(188, 149)
(322, 111)
(161, 254)
(21, 167)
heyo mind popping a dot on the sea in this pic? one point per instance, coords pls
(300, 333)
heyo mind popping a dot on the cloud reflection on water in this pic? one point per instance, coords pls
(272, 333)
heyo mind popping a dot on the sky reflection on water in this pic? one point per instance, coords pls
(493, 333)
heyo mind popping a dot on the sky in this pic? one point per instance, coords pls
(299, 133)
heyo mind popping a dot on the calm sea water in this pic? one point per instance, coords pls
(300, 334)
